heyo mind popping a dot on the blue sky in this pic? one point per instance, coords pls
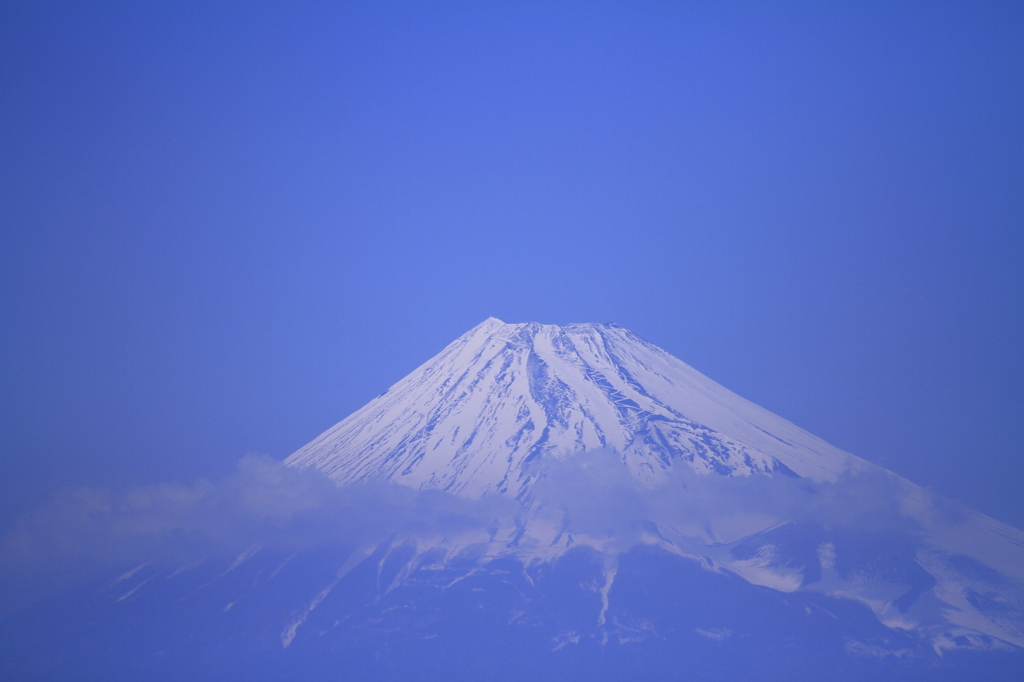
(226, 226)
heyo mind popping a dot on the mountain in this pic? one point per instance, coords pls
(537, 502)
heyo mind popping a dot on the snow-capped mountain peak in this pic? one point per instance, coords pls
(473, 418)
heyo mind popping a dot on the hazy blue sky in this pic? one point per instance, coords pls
(226, 226)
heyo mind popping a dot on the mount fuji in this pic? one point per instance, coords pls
(557, 502)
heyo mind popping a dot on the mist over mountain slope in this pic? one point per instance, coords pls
(537, 501)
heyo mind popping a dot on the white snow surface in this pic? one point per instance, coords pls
(472, 418)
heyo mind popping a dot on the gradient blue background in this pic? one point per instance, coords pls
(226, 226)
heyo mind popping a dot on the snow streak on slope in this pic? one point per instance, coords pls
(472, 419)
